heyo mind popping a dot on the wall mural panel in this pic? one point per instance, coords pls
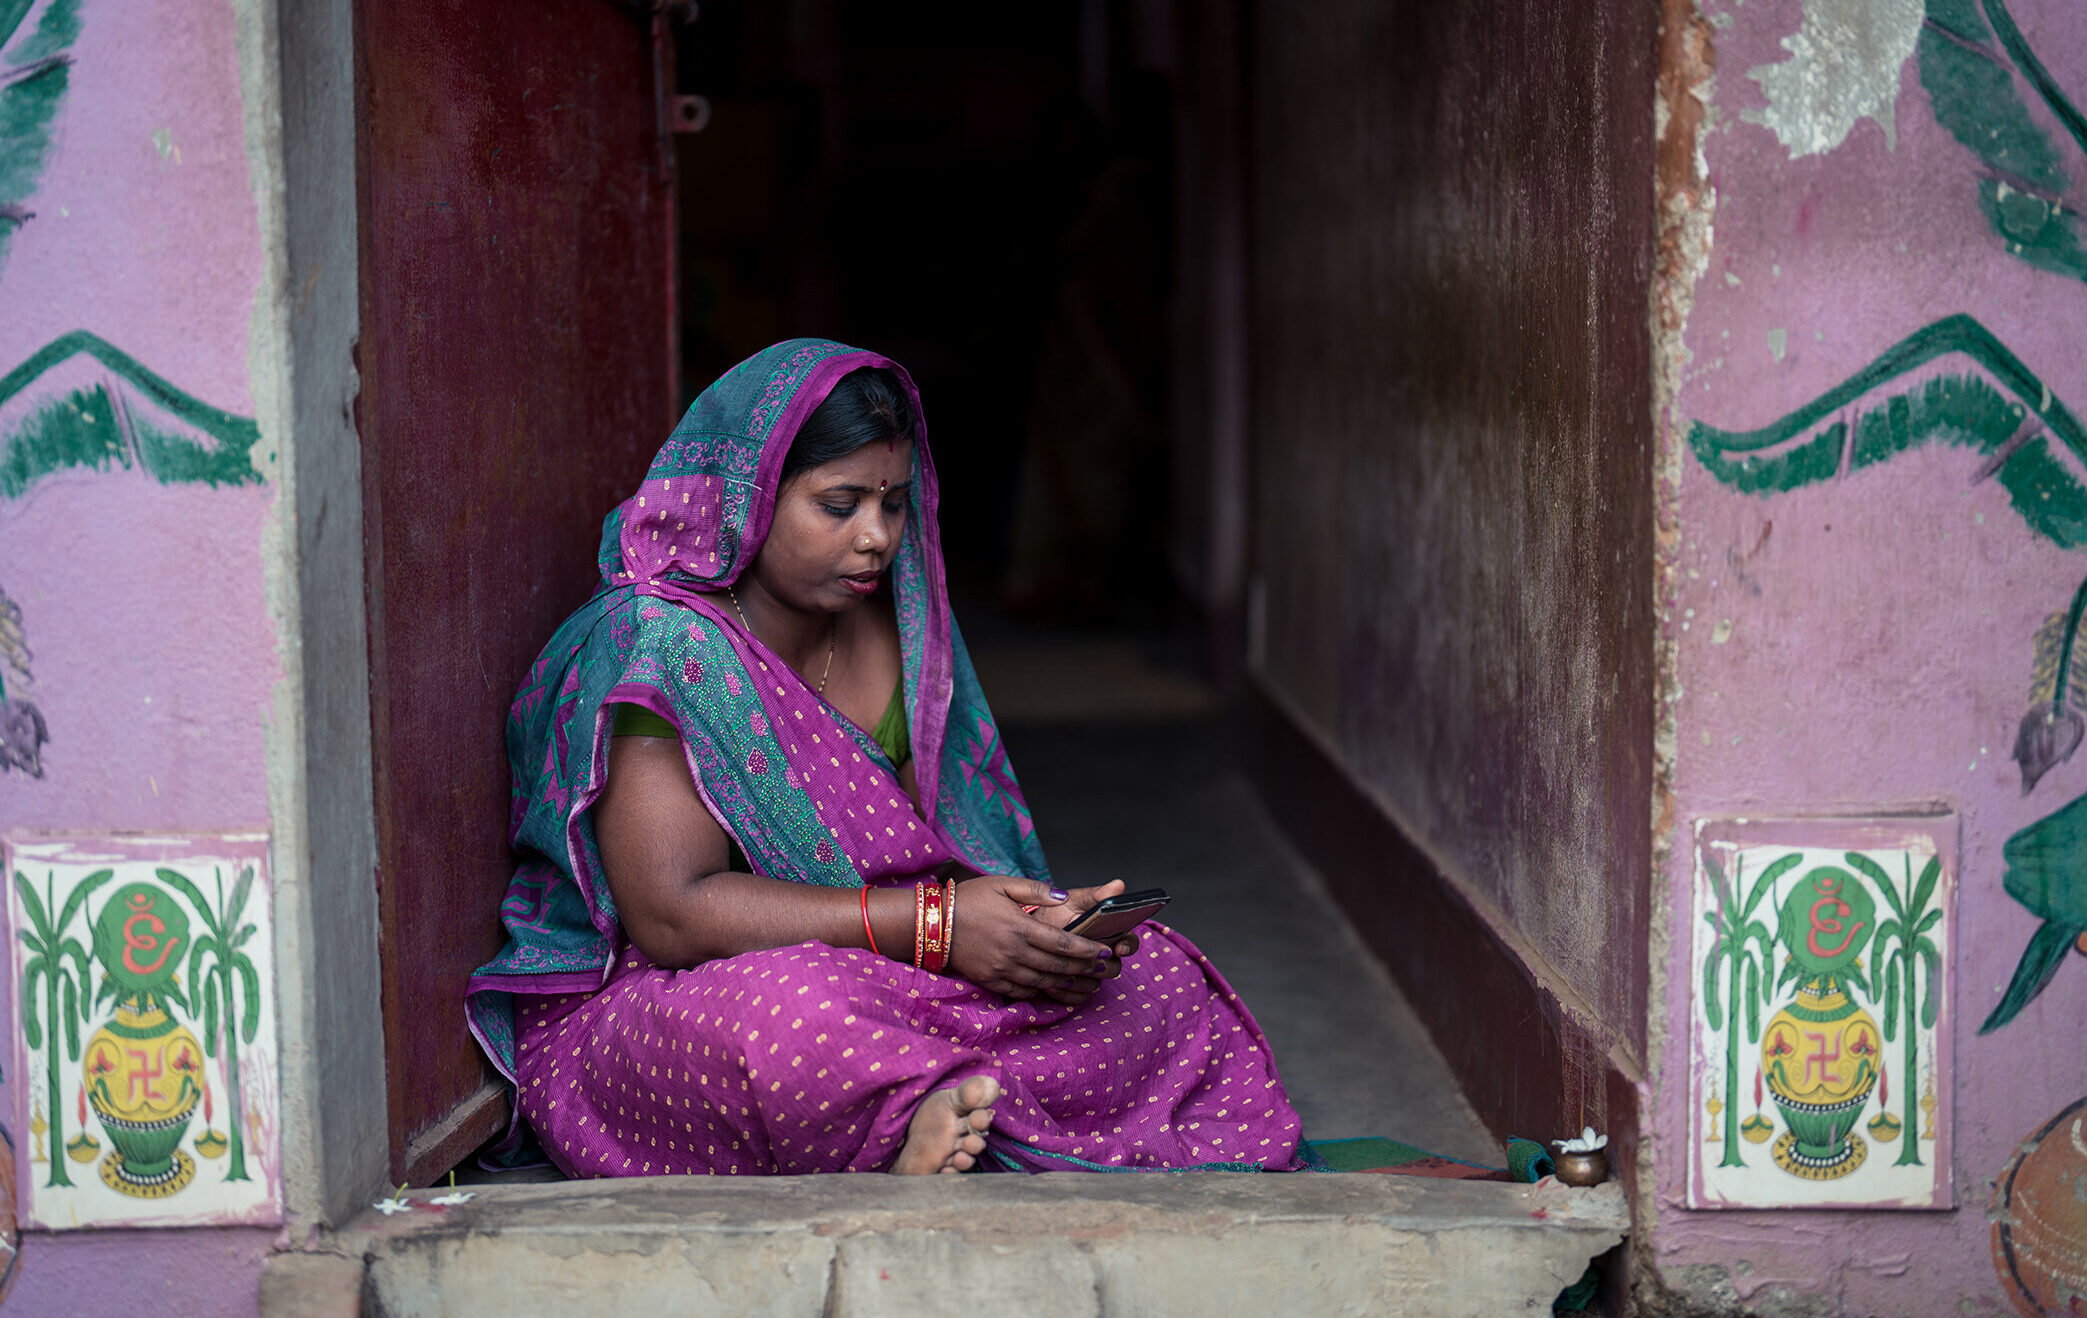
(1821, 1071)
(2026, 437)
(144, 1031)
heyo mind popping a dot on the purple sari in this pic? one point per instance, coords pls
(812, 1058)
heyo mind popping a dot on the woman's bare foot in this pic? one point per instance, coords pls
(948, 1129)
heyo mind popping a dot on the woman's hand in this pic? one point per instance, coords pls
(1084, 899)
(1078, 902)
(1018, 955)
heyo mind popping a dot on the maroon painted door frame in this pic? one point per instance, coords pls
(517, 366)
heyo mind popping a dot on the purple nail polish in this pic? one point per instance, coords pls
(1059, 894)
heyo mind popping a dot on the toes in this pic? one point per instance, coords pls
(972, 1145)
(961, 1162)
(980, 1119)
(977, 1092)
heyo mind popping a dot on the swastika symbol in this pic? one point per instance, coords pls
(144, 1069)
(1820, 1058)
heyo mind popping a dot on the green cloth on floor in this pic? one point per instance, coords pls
(1526, 1160)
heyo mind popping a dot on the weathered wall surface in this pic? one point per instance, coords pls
(136, 497)
(1876, 519)
(1452, 245)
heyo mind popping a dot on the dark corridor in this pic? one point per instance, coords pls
(983, 193)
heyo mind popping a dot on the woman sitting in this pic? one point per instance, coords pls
(780, 905)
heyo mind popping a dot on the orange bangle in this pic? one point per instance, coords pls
(868, 932)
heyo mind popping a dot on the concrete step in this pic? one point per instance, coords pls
(1060, 1246)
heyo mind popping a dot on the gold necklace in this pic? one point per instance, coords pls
(833, 632)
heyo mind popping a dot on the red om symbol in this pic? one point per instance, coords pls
(135, 942)
(1828, 885)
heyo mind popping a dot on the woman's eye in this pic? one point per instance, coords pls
(894, 505)
(835, 510)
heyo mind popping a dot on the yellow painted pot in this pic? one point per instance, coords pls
(144, 1074)
(1819, 1056)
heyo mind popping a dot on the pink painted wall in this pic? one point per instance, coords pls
(194, 1273)
(142, 599)
(1864, 643)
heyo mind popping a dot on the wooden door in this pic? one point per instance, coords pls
(517, 373)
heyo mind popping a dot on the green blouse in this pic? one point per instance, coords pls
(890, 733)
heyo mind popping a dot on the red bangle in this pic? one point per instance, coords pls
(935, 943)
(868, 932)
(949, 919)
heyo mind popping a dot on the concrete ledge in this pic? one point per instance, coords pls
(1060, 1245)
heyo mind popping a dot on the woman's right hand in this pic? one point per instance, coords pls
(1001, 947)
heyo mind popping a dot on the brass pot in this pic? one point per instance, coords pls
(1582, 1169)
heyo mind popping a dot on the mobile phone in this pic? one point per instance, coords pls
(1119, 914)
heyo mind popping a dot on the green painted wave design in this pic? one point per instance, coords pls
(131, 417)
(2004, 412)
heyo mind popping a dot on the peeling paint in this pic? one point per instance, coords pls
(1843, 67)
(1685, 203)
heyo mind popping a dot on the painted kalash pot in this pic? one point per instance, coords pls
(143, 1069)
(1820, 1053)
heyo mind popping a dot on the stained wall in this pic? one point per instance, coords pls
(1873, 519)
(137, 496)
(1451, 447)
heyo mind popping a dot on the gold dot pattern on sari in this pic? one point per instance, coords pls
(813, 1058)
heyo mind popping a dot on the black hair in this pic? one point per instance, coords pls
(866, 406)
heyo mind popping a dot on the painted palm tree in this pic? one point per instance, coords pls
(1747, 985)
(1905, 956)
(216, 995)
(60, 961)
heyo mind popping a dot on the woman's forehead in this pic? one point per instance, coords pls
(874, 464)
